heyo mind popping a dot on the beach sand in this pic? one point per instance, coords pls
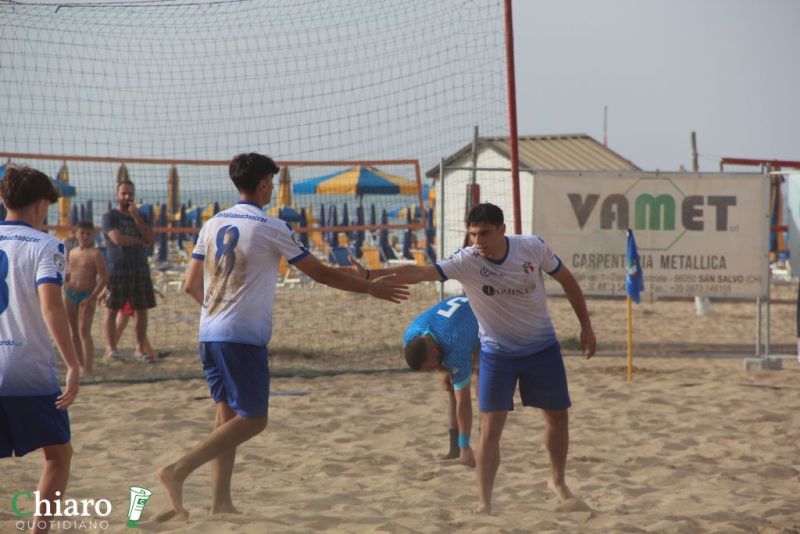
(694, 444)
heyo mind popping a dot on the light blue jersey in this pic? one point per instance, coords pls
(454, 327)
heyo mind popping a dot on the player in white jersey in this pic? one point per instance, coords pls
(503, 278)
(33, 411)
(232, 274)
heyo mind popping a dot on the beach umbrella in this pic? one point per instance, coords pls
(288, 214)
(321, 221)
(430, 236)
(122, 174)
(173, 190)
(198, 223)
(147, 212)
(65, 191)
(284, 188)
(73, 215)
(383, 239)
(303, 224)
(373, 220)
(358, 235)
(162, 237)
(346, 219)
(402, 213)
(333, 220)
(182, 223)
(407, 238)
(356, 181)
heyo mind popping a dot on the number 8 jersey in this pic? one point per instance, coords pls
(28, 259)
(240, 249)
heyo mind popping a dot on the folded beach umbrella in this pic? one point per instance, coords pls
(288, 214)
(383, 240)
(333, 220)
(430, 236)
(162, 237)
(358, 235)
(407, 238)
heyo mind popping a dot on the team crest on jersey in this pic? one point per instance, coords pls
(296, 239)
(59, 261)
(527, 267)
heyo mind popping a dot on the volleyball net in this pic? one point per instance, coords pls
(344, 94)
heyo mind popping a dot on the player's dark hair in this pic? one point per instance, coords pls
(23, 185)
(86, 225)
(416, 353)
(125, 182)
(485, 213)
(247, 170)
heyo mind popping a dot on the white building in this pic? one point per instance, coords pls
(536, 153)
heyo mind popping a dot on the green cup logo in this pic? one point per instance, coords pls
(139, 498)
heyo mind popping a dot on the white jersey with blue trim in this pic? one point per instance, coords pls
(508, 296)
(241, 248)
(453, 326)
(28, 259)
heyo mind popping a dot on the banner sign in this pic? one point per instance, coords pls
(697, 233)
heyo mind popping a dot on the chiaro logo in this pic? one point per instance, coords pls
(69, 514)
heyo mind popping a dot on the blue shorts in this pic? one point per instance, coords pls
(542, 381)
(30, 423)
(238, 375)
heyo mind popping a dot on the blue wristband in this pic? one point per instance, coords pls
(463, 441)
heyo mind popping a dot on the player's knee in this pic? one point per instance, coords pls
(258, 424)
(556, 419)
(59, 454)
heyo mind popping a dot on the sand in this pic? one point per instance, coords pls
(694, 444)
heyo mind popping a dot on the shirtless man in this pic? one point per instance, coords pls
(86, 281)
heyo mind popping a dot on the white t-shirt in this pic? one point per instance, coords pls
(28, 258)
(241, 248)
(508, 296)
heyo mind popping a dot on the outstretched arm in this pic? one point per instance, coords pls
(575, 296)
(386, 288)
(402, 274)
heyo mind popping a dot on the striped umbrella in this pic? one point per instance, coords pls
(356, 181)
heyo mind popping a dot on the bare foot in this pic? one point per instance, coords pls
(174, 488)
(561, 490)
(483, 509)
(226, 508)
(452, 455)
(170, 515)
(567, 501)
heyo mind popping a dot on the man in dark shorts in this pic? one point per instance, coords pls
(128, 234)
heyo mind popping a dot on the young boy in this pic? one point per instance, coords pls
(86, 281)
(33, 411)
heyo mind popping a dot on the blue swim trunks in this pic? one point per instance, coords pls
(542, 381)
(77, 296)
(30, 423)
(237, 374)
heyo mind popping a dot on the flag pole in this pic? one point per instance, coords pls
(630, 340)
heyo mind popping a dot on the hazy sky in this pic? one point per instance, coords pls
(724, 68)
